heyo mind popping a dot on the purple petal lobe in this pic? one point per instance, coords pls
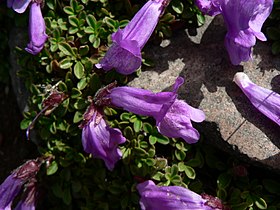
(37, 28)
(9, 190)
(177, 122)
(121, 58)
(169, 198)
(102, 141)
(244, 19)
(209, 7)
(265, 100)
(125, 53)
(19, 5)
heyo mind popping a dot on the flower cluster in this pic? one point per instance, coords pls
(37, 27)
(173, 118)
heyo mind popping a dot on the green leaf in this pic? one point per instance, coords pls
(96, 43)
(224, 180)
(79, 70)
(80, 104)
(168, 17)
(91, 21)
(83, 50)
(190, 172)
(137, 125)
(111, 23)
(260, 203)
(51, 4)
(174, 170)
(67, 198)
(82, 84)
(66, 49)
(147, 127)
(152, 139)
(181, 166)
(65, 63)
(25, 123)
(78, 116)
(73, 21)
(222, 193)
(62, 86)
(180, 155)
(69, 10)
(177, 6)
(158, 176)
(125, 116)
(128, 132)
(52, 168)
(161, 163)
(200, 19)
(162, 140)
(75, 93)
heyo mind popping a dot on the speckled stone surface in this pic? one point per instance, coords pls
(232, 123)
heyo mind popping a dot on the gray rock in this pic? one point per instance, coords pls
(17, 39)
(232, 123)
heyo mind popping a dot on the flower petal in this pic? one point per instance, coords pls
(265, 100)
(37, 30)
(9, 190)
(169, 198)
(102, 141)
(177, 124)
(20, 5)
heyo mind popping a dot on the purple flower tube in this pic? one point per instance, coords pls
(125, 53)
(265, 100)
(37, 30)
(155, 197)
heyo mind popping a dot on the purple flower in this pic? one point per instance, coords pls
(37, 30)
(125, 53)
(100, 139)
(266, 101)
(12, 185)
(209, 7)
(18, 5)
(244, 19)
(173, 198)
(173, 116)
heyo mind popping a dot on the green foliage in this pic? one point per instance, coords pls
(273, 28)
